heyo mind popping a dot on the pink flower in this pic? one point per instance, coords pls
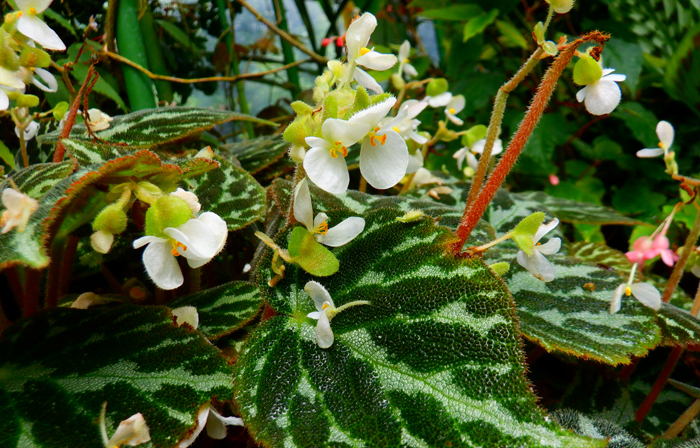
(660, 246)
(640, 247)
(553, 179)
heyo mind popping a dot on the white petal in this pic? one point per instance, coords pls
(581, 94)
(35, 29)
(10, 79)
(316, 142)
(647, 294)
(454, 119)
(665, 132)
(457, 103)
(315, 314)
(318, 220)
(416, 137)
(414, 162)
(358, 34)
(410, 70)
(344, 232)
(551, 247)
(39, 5)
(140, 242)
(537, 264)
(202, 417)
(376, 61)
(303, 211)
(4, 100)
(616, 302)
(440, 100)
(29, 132)
(607, 71)
(414, 107)
(318, 294)
(616, 78)
(650, 152)
(161, 265)
(374, 114)
(404, 50)
(545, 228)
(328, 173)
(204, 237)
(472, 162)
(479, 146)
(324, 334)
(366, 80)
(346, 132)
(186, 315)
(48, 78)
(132, 431)
(384, 165)
(216, 424)
(602, 97)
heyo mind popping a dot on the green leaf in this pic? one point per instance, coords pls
(175, 32)
(259, 153)
(151, 128)
(224, 309)
(624, 57)
(511, 34)
(80, 72)
(7, 156)
(683, 69)
(552, 130)
(310, 254)
(434, 360)
(640, 121)
(596, 428)
(453, 12)
(57, 368)
(476, 25)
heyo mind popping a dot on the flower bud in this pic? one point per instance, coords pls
(101, 241)
(437, 86)
(587, 71)
(397, 81)
(297, 132)
(27, 101)
(34, 57)
(561, 6)
(8, 58)
(147, 192)
(167, 211)
(59, 111)
(111, 219)
(302, 108)
(189, 197)
(550, 48)
(538, 32)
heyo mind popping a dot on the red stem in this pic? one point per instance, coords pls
(473, 212)
(659, 384)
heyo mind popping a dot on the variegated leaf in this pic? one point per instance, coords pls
(604, 256)
(58, 367)
(433, 360)
(258, 153)
(596, 428)
(224, 309)
(150, 128)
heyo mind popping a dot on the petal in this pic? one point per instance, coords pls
(635, 256)
(216, 424)
(318, 294)
(10, 79)
(344, 232)
(471, 161)
(4, 100)
(303, 211)
(404, 50)
(186, 315)
(384, 165)
(414, 107)
(440, 100)
(358, 34)
(39, 5)
(346, 132)
(366, 80)
(48, 78)
(581, 94)
(328, 173)
(161, 265)
(414, 162)
(616, 302)
(537, 264)
(460, 155)
(202, 417)
(35, 29)
(665, 132)
(647, 294)
(324, 334)
(551, 247)
(545, 228)
(454, 119)
(416, 137)
(650, 152)
(132, 431)
(140, 242)
(497, 147)
(457, 103)
(316, 142)
(314, 315)
(607, 71)
(410, 70)
(616, 78)
(373, 115)
(602, 97)
(376, 61)
(668, 257)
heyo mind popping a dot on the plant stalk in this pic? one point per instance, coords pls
(682, 261)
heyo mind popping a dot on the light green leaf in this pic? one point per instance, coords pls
(511, 34)
(175, 32)
(434, 360)
(7, 156)
(524, 232)
(224, 309)
(476, 25)
(626, 58)
(453, 12)
(57, 368)
(80, 72)
(683, 69)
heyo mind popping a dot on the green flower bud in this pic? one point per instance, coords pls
(27, 101)
(330, 107)
(147, 192)
(34, 57)
(561, 6)
(10, 24)
(550, 48)
(8, 57)
(587, 71)
(437, 86)
(539, 33)
(166, 211)
(111, 219)
(297, 131)
(302, 108)
(397, 81)
(59, 111)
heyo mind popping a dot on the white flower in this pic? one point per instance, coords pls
(405, 123)
(34, 28)
(47, 77)
(356, 39)
(198, 240)
(323, 314)
(644, 292)
(665, 132)
(132, 431)
(384, 154)
(101, 241)
(404, 66)
(415, 161)
(19, 207)
(97, 120)
(9, 82)
(29, 132)
(322, 162)
(186, 315)
(438, 100)
(536, 263)
(477, 148)
(336, 236)
(215, 423)
(189, 197)
(603, 96)
(424, 177)
(454, 106)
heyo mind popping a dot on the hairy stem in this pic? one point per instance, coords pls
(683, 260)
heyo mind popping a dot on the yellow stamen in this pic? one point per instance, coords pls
(322, 228)
(19, 14)
(405, 61)
(177, 244)
(539, 244)
(661, 145)
(364, 51)
(32, 11)
(395, 128)
(452, 110)
(628, 291)
(325, 305)
(338, 147)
